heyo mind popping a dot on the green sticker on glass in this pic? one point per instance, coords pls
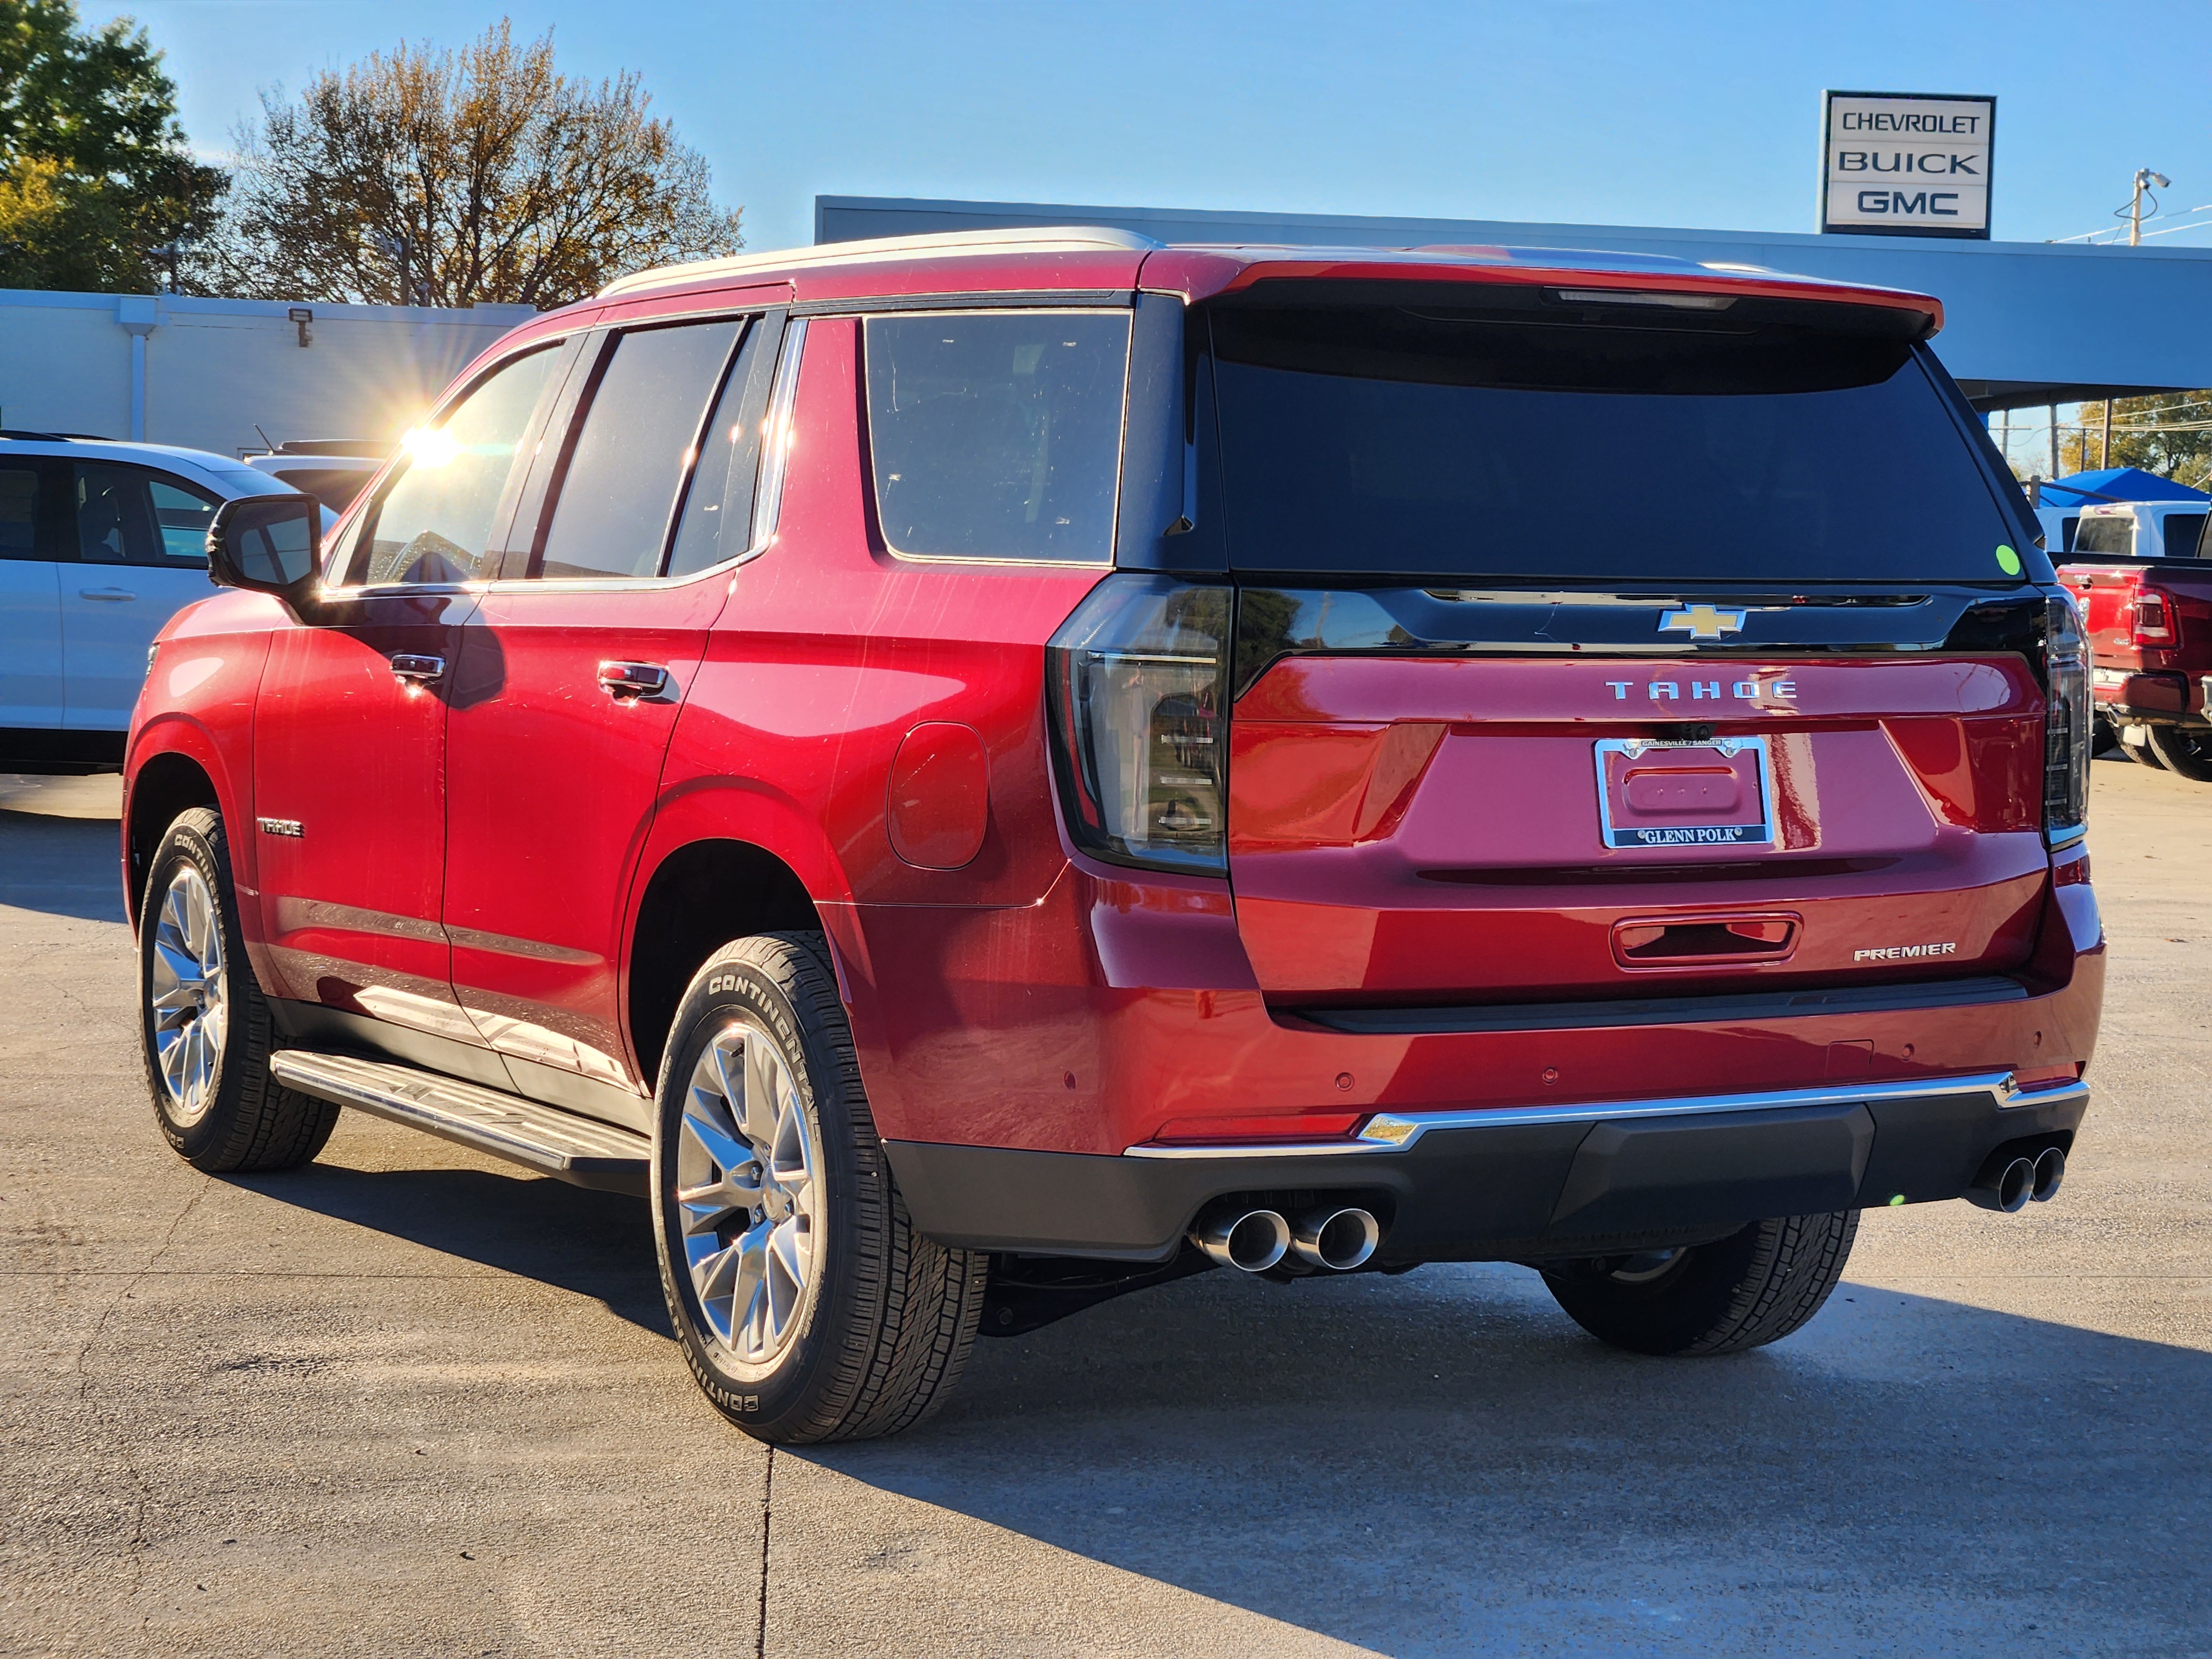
(2007, 561)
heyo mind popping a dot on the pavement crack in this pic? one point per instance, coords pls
(768, 1514)
(120, 1442)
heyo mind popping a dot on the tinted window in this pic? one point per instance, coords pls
(19, 513)
(997, 435)
(114, 515)
(2113, 532)
(718, 509)
(436, 521)
(636, 444)
(1557, 441)
(2183, 530)
(181, 515)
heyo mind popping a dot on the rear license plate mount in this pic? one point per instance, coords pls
(1666, 792)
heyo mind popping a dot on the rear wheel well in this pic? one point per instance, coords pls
(166, 786)
(702, 896)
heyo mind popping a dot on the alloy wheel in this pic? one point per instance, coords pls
(190, 995)
(747, 1193)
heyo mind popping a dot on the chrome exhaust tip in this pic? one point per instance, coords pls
(2050, 1172)
(2008, 1189)
(1337, 1237)
(1251, 1241)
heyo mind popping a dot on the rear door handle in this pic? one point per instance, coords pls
(113, 594)
(420, 670)
(633, 679)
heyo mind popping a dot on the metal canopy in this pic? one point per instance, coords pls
(2029, 324)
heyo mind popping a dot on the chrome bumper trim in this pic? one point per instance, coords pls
(1394, 1132)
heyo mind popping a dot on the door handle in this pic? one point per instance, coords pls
(633, 679)
(113, 594)
(419, 670)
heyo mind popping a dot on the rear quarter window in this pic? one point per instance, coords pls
(2183, 530)
(997, 434)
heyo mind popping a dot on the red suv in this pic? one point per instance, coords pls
(983, 774)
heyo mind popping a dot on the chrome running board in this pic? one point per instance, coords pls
(578, 1150)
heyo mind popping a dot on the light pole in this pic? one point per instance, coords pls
(2144, 178)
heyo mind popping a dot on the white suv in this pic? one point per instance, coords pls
(100, 544)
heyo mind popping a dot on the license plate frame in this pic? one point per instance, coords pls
(1740, 831)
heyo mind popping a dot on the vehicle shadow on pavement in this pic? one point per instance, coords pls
(1445, 1463)
(593, 1244)
(61, 867)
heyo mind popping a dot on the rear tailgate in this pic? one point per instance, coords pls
(1427, 831)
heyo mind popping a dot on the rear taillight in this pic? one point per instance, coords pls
(2066, 725)
(1135, 684)
(2154, 623)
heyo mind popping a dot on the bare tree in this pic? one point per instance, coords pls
(445, 177)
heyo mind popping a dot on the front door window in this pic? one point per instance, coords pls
(436, 521)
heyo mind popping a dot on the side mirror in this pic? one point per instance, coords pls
(269, 544)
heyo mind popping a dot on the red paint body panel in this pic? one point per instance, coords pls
(939, 796)
(356, 756)
(554, 784)
(1908, 791)
(197, 703)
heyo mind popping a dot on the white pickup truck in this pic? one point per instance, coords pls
(2137, 530)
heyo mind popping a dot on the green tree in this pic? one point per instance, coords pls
(2169, 433)
(94, 172)
(445, 177)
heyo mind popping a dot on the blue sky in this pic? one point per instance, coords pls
(1582, 111)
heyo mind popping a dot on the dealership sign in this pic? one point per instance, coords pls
(1906, 164)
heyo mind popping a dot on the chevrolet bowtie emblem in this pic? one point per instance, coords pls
(1701, 621)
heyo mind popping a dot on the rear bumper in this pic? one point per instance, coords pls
(1502, 1184)
(2150, 698)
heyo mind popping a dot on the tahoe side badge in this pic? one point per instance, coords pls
(1716, 792)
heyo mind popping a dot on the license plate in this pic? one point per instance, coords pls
(1716, 792)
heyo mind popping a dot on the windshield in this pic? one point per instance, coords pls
(1544, 440)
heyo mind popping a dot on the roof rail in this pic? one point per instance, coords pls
(1053, 239)
(35, 437)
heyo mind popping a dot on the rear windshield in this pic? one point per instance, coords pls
(2110, 533)
(1537, 438)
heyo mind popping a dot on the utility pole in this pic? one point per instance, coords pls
(2105, 454)
(2144, 178)
(2054, 440)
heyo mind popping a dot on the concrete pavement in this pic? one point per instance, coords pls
(408, 1402)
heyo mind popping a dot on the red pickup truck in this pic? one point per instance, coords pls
(2149, 622)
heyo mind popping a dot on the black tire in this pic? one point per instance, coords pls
(878, 1336)
(2185, 752)
(237, 1117)
(1743, 1292)
(2143, 755)
(2103, 737)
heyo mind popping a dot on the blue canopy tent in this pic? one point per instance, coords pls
(2116, 484)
